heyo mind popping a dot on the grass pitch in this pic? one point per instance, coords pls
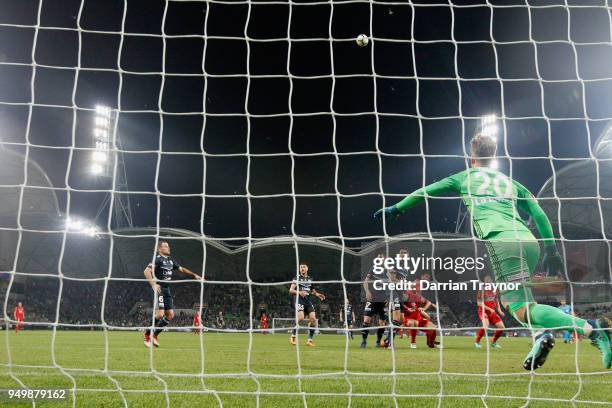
(269, 376)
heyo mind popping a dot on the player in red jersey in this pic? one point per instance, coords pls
(489, 312)
(415, 315)
(197, 323)
(263, 322)
(19, 316)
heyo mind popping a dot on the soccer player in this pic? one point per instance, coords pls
(396, 300)
(567, 309)
(348, 311)
(263, 322)
(375, 305)
(159, 274)
(197, 323)
(19, 316)
(489, 312)
(220, 320)
(493, 200)
(416, 317)
(420, 316)
(302, 289)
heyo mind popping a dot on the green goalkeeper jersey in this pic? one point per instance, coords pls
(492, 198)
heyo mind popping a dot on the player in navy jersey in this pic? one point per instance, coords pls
(396, 300)
(159, 274)
(303, 289)
(347, 311)
(376, 304)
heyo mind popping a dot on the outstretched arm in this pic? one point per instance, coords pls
(446, 185)
(187, 272)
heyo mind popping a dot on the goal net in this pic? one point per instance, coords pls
(254, 136)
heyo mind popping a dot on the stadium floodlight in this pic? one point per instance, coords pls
(102, 110)
(90, 231)
(74, 225)
(96, 169)
(489, 119)
(101, 121)
(80, 226)
(100, 163)
(99, 156)
(102, 133)
(103, 146)
(490, 130)
(488, 126)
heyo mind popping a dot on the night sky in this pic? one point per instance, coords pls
(265, 109)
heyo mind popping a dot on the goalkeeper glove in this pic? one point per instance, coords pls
(552, 261)
(390, 212)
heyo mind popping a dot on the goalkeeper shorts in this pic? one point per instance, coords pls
(514, 256)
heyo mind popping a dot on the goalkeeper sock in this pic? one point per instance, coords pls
(548, 317)
(365, 331)
(479, 335)
(161, 323)
(497, 335)
(293, 332)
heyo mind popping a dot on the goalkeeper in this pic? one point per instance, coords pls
(493, 200)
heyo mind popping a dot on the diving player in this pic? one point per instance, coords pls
(493, 200)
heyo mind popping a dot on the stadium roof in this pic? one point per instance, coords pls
(39, 206)
(578, 199)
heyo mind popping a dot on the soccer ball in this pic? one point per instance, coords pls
(362, 40)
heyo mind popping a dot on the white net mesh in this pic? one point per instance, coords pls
(253, 135)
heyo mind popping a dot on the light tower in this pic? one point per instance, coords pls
(107, 150)
(101, 163)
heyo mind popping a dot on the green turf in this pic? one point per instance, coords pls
(453, 378)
